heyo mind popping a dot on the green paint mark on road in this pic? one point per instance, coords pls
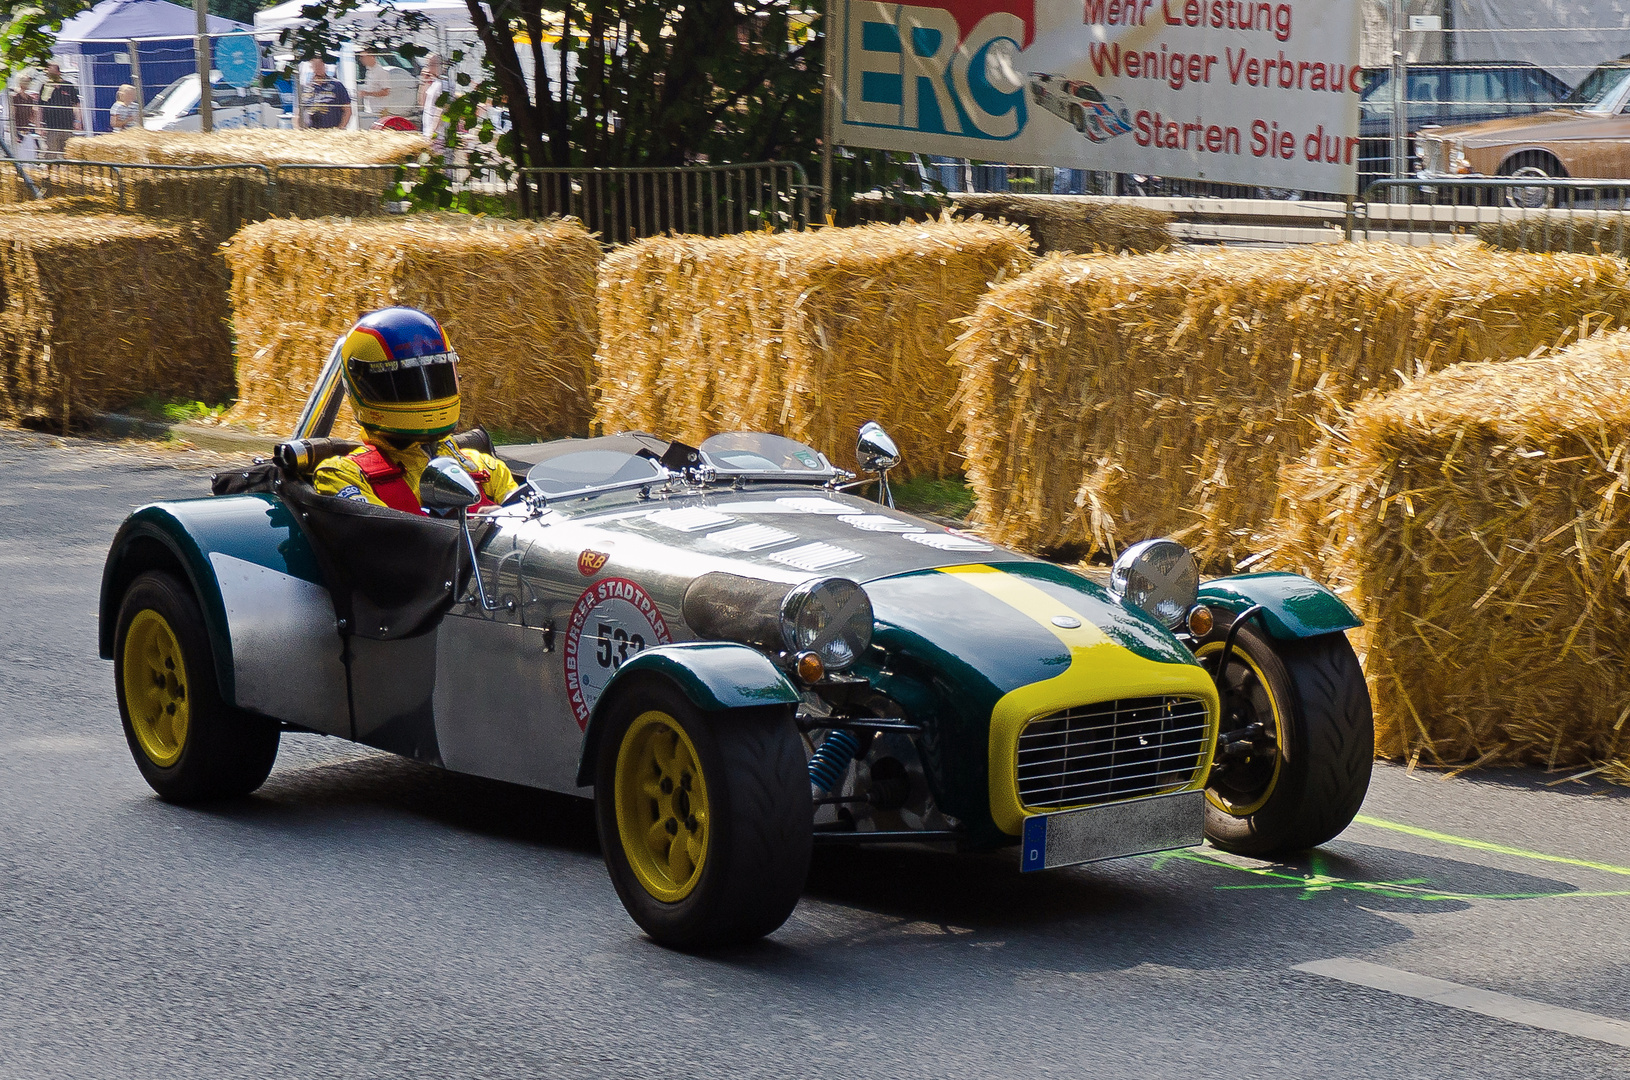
(1316, 883)
(1484, 845)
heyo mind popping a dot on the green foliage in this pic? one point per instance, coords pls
(28, 29)
(932, 497)
(650, 82)
(174, 412)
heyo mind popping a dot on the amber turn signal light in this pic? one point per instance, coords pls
(809, 666)
(1201, 621)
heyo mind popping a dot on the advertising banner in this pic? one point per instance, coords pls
(1258, 92)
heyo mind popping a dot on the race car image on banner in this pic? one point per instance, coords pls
(1093, 115)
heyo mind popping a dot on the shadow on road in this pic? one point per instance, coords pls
(295, 798)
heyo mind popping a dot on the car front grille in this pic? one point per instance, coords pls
(1111, 750)
(1434, 158)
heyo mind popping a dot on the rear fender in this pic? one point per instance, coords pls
(714, 676)
(188, 539)
(1292, 606)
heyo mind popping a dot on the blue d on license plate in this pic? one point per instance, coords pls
(1114, 831)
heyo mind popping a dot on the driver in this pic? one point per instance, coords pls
(402, 377)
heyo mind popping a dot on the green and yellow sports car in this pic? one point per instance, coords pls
(735, 659)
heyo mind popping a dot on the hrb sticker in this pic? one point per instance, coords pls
(612, 622)
(591, 562)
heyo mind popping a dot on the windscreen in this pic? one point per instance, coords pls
(179, 95)
(1600, 87)
(591, 468)
(754, 452)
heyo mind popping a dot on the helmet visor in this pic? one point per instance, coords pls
(416, 378)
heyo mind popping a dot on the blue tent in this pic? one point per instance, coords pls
(100, 38)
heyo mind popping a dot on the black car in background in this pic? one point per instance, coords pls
(1444, 94)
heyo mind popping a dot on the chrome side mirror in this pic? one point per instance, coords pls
(877, 453)
(447, 485)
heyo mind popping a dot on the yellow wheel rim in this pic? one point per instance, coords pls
(155, 684)
(661, 802)
(1220, 802)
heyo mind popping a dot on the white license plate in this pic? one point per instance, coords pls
(1115, 831)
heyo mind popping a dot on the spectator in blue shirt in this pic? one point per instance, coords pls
(326, 102)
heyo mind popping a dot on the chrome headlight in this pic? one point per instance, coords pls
(831, 617)
(1159, 576)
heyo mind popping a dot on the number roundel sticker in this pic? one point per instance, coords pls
(612, 622)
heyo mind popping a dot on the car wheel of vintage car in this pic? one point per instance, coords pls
(1532, 166)
(704, 818)
(188, 743)
(1296, 743)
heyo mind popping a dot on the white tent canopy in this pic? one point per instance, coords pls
(441, 14)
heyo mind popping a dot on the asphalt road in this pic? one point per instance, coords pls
(367, 916)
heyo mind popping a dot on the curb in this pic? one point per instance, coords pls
(201, 435)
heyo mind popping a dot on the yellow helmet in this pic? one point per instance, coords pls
(401, 374)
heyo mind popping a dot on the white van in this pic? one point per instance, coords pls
(176, 107)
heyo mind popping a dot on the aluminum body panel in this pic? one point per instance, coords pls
(391, 687)
(859, 539)
(1139, 827)
(497, 705)
(287, 655)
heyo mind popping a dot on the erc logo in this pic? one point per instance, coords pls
(949, 70)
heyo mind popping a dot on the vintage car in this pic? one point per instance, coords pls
(1587, 136)
(1453, 92)
(735, 657)
(1095, 116)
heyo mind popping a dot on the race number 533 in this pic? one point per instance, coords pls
(613, 621)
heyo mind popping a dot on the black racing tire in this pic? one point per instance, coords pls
(752, 850)
(163, 668)
(1078, 117)
(1311, 693)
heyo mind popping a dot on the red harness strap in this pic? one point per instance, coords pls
(386, 480)
(480, 476)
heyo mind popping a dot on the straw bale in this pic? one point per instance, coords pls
(1075, 222)
(1592, 232)
(806, 334)
(97, 310)
(239, 146)
(1108, 399)
(516, 298)
(1481, 517)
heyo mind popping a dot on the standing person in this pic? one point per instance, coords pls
(434, 83)
(386, 90)
(25, 118)
(124, 113)
(327, 104)
(59, 110)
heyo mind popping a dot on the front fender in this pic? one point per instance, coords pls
(715, 676)
(1292, 606)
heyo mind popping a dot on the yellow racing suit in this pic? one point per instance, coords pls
(343, 476)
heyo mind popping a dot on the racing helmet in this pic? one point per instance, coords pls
(401, 374)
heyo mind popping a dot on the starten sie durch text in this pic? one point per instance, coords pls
(1238, 66)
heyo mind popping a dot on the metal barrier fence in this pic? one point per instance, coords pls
(246, 192)
(709, 200)
(620, 205)
(1528, 214)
